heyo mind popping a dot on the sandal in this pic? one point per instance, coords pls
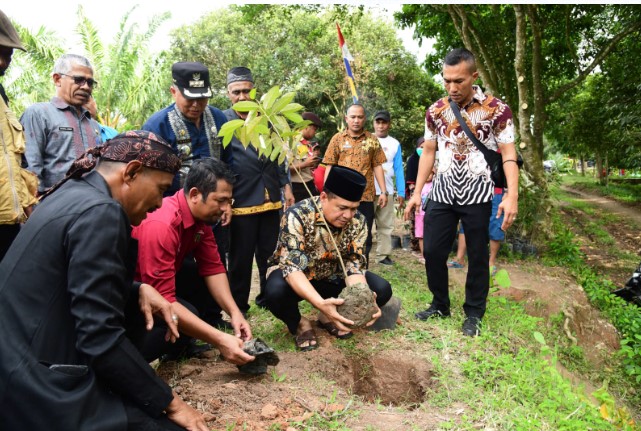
(454, 264)
(306, 337)
(334, 331)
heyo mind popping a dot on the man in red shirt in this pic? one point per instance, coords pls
(179, 229)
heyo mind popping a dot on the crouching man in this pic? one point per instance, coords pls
(306, 266)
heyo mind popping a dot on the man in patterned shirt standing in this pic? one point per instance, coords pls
(462, 187)
(305, 265)
(358, 149)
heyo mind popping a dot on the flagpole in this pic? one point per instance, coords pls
(347, 57)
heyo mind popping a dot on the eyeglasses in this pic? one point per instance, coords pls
(81, 80)
(224, 201)
(243, 91)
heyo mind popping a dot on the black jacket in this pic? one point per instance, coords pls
(65, 362)
(253, 174)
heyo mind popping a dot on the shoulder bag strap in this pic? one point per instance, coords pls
(482, 148)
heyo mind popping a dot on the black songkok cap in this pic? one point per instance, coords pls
(237, 74)
(345, 183)
(310, 116)
(192, 78)
(382, 115)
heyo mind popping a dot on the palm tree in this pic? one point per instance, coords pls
(133, 82)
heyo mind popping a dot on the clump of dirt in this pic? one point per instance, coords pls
(359, 305)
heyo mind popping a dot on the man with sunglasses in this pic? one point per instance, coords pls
(178, 229)
(59, 131)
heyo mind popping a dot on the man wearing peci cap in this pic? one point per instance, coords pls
(191, 127)
(17, 186)
(257, 200)
(305, 264)
(358, 149)
(306, 161)
(69, 308)
(61, 130)
(189, 124)
(393, 170)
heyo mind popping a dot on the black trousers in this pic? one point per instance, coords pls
(367, 209)
(440, 225)
(191, 287)
(8, 232)
(254, 234)
(299, 191)
(282, 301)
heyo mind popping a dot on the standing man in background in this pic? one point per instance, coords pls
(463, 188)
(257, 203)
(358, 149)
(61, 130)
(17, 186)
(393, 169)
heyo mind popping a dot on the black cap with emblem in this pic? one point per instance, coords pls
(192, 79)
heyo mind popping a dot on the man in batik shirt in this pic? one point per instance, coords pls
(463, 187)
(305, 265)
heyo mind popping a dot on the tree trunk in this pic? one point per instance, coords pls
(531, 153)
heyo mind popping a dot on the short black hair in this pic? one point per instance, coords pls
(459, 55)
(204, 174)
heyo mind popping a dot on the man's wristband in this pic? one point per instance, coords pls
(509, 160)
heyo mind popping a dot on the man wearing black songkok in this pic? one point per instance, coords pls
(68, 304)
(305, 265)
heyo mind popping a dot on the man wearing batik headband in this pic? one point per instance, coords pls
(68, 305)
(257, 201)
(305, 265)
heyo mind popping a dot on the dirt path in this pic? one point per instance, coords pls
(607, 204)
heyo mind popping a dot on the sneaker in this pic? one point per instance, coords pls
(472, 326)
(432, 313)
(386, 261)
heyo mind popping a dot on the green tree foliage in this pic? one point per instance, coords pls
(29, 77)
(530, 55)
(298, 51)
(132, 82)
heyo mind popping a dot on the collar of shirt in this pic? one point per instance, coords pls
(188, 219)
(477, 96)
(62, 105)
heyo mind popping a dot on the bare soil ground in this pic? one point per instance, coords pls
(390, 389)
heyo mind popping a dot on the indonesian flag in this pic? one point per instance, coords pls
(347, 57)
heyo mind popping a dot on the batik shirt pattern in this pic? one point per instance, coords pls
(463, 176)
(304, 244)
(362, 153)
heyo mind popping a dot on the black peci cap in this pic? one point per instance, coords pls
(345, 183)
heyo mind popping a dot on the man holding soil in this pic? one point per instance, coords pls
(305, 265)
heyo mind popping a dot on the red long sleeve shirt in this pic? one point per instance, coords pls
(165, 237)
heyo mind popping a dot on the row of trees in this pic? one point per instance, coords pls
(569, 72)
(293, 47)
(539, 58)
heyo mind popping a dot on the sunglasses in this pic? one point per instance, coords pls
(244, 91)
(81, 80)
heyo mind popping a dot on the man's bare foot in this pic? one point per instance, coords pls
(305, 336)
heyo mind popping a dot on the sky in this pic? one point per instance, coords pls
(60, 16)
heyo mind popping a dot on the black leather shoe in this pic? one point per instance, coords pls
(386, 261)
(432, 313)
(472, 326)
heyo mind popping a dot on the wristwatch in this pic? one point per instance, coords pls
(386, 193)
